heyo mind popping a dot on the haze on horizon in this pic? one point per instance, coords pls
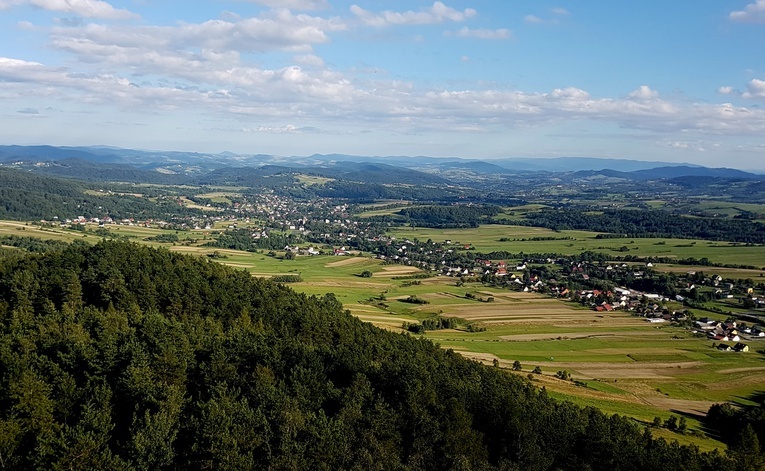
(676, 82)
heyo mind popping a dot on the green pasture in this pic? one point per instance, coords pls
(379, 203)
(486, 238)
(313, 179)
(223, 197)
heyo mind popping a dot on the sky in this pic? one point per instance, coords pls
(484, 79)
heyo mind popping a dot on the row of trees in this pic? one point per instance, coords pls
(651, 223)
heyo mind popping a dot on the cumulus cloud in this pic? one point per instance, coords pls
(294, 4)
(438, 13)
(288, 129)
(466, 32)
(644, 93)
(219, 82)
(752, 13)
(725, 90)
(755, 89)
(210, 40)
(85, 8)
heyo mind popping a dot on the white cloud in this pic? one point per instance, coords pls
(725, 90)
(560, 11)
(85, 8)
(280, 30)
(644, 93)
(755, 89)
(438, 13)
(532, 19)
(752, 13)
(219, 83)
(466, 32)
(288, 129)
(294, 4)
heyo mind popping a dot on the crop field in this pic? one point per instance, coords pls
(219, 196)
(618, 362)
(487, 239)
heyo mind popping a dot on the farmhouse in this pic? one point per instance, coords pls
(741, 347)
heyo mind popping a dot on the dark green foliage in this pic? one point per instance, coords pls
(652, 223)
(27, 196)
(448, 216)
(32, 244)
(243, 239)
(413, 299)
(287, 278)
(118, 356)
(164, 238)
(740, 428)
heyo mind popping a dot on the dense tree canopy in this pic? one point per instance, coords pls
(118, 356)
(652, 223)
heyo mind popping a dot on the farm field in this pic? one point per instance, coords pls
(618, 362)
(486, 238)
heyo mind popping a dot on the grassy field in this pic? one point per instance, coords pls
(486, 238)
(620, 363)
(219, 196)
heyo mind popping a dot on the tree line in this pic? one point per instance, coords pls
(650, 223)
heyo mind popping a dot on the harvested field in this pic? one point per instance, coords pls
(575, 335)
(397, 270)
(346, 261)
(345, 284)
(742, 370)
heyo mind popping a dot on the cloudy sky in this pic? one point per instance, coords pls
(648, 80)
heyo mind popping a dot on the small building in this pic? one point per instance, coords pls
(741, 347)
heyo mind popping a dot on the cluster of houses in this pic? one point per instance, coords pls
(728, 331)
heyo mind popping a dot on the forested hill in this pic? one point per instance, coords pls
(118, 356)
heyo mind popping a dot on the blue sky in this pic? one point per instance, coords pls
(649, 80)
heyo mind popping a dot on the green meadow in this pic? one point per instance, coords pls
(486, 238)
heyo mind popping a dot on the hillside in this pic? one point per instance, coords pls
(117, 356)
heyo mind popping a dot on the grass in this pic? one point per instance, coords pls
(313, 179)
(219, 196)
(486, 238)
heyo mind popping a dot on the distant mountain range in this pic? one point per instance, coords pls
(133, 165)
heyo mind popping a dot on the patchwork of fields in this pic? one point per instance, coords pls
(618, 362)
